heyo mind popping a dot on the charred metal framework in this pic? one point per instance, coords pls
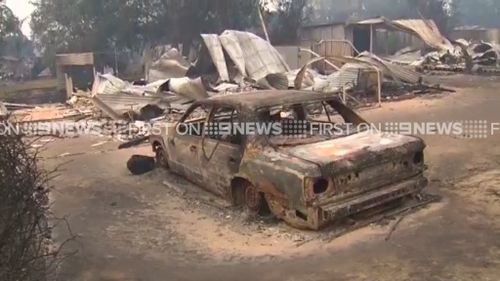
(307, 185)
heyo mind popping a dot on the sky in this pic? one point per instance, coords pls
(22, 9)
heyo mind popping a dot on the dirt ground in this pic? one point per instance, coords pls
(140, 228)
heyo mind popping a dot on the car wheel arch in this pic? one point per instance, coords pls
(155, 143)
(237, 184)
(240, 195)
(158, 146)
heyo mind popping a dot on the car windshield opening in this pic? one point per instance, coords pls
(307, 122)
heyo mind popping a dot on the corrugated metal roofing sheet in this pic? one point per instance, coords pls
(122, 103)
(371, 21)
(406, 58)
(397, 72)
(255, 55)
(229, 41)
(428, 31)
(346, 77)
(109, 84)
(215, 49)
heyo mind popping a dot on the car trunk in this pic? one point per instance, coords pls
(363, 162)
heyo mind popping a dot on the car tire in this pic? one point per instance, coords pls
(161, 157)
(140, 164)
(253, 202)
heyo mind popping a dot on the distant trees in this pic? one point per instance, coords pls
(283, 24)
(478, 12)
(9, 24)
(103, 25)
(10, 29)
(95, 25)
(441, 11)
(446, 13)
(13, 43)
(188, 18)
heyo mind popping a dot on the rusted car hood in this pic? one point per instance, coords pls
(345, 152)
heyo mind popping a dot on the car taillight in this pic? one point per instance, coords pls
(315, 187)
(320, 186)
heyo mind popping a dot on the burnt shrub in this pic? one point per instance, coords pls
(26, 252)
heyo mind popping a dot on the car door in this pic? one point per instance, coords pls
(184, 146)
(221, 151)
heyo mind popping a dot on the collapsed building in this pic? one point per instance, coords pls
(231, 62)
(416, 43)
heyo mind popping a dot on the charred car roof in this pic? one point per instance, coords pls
(258, 99)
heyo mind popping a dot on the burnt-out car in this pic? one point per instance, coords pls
(298, 172)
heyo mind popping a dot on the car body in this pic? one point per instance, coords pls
(307, 181)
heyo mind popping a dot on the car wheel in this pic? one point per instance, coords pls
(161, 157)
(253, 199)
(249, 197)
(140, 164)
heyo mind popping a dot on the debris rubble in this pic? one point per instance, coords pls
(234, 62)
(466, 57)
